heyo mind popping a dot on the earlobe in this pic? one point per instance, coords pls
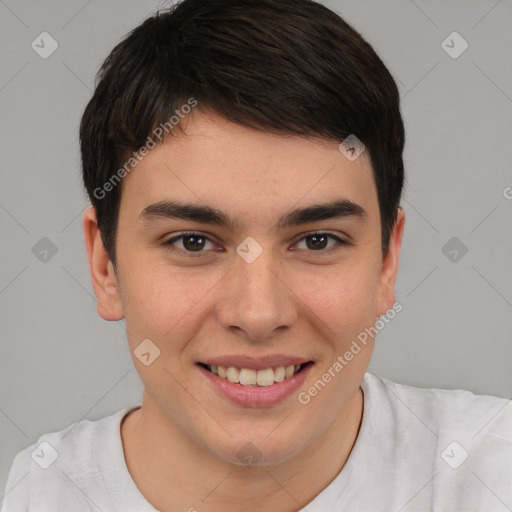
(389, 270)
(103, 276)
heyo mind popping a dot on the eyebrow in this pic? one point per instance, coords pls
(338, 209)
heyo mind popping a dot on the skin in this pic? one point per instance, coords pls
(181, 445)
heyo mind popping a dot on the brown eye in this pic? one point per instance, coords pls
(318, 242)
(193, 242)
(188, 243)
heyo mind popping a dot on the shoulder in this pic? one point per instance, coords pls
(459, 442)
(52, 469)
(444, 409)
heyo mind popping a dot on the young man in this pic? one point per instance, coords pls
(244, 163)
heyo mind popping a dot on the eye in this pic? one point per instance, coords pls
(317, 242)
(192, 244)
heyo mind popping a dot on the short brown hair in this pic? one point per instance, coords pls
(282, 66)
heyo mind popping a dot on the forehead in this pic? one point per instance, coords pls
(236, 168)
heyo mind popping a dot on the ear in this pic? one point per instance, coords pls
(104, 279)
(387, 278)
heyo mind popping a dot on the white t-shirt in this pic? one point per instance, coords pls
(417, 450)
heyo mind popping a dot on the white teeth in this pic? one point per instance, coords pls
(232, 374)
(247, 376)
(250, 377)
(289, 371)
(279, 374)
(265, 377)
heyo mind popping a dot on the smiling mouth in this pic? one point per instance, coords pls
(255, 378)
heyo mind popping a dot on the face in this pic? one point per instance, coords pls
(249, 285)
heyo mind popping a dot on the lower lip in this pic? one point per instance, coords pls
(263, 396)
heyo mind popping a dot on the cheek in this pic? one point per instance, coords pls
(159, 300)
(344, 300)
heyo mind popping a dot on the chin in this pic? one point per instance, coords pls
(256, 451)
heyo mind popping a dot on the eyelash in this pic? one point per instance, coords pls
(168, 243)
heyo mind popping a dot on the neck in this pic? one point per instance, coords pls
(176, 474)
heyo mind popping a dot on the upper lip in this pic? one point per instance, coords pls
(255, 363)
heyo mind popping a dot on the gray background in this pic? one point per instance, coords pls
(62, 363)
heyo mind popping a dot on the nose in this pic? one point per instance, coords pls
(257, 301)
